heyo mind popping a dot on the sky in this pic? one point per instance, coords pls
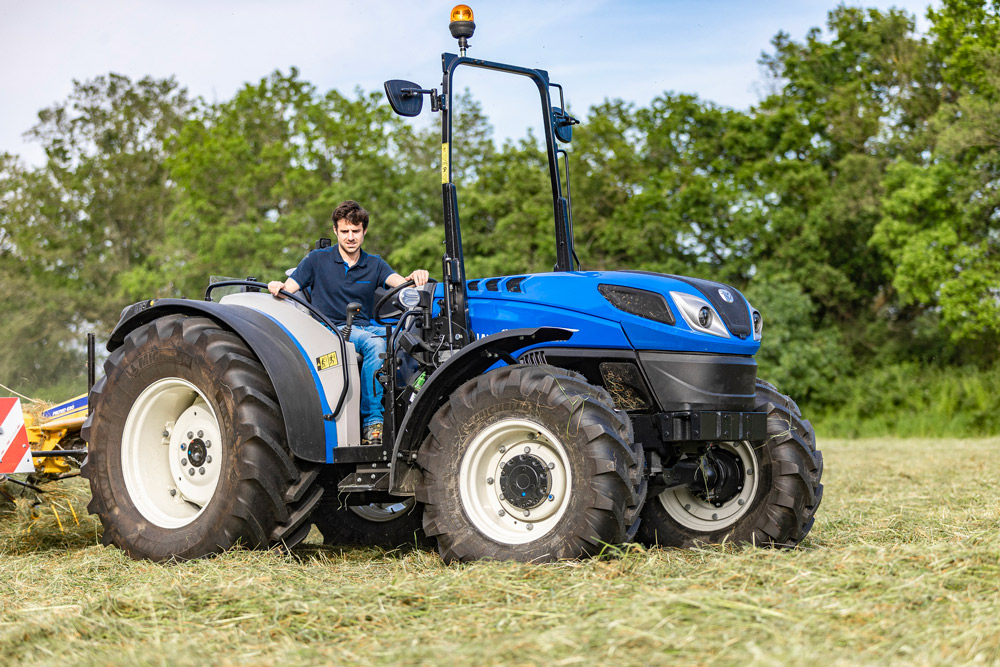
(597, 49)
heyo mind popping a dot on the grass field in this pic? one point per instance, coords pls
(902, 566)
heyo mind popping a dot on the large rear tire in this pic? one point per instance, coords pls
(529, 463)
(187, 447)
(776, 502)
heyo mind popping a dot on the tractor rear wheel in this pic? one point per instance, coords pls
(529, 463)
(772, 500)
(187, 447)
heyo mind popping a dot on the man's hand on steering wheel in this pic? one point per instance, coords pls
(419, 277)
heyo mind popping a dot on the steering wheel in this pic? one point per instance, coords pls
(388, 297)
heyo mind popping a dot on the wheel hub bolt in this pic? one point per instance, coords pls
(489, 480)
(501, 512)
(184, 462)
(190, 435)
(502, 449)
(166, 434)
(208, 443)
(715, 517)
(527, 513)
(173, 492)
(551, 498)
(741, 502)
(530, 526)
(749, 473)
(208, 460)
(201, 470)
(183, 448)
(191, 471)
(201, 433)
(527, 450)
(552, 465)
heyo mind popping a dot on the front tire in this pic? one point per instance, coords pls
(187, 447)
(777, 497)
(529, 463)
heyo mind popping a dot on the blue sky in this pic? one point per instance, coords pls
(630, 49)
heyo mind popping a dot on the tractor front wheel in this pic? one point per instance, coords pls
(765, 494)
(529, 463)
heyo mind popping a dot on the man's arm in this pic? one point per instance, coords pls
(419, 277)
(289, 286)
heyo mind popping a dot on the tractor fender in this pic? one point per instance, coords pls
(467, 363)
(288, 371)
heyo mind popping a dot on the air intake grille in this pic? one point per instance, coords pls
(514, 284)
(533, 358)
(638, 302)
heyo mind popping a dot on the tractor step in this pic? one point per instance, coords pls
(367, 477)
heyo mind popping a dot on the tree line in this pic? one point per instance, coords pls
(856, 205)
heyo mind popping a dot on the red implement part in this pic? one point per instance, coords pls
(15, 453)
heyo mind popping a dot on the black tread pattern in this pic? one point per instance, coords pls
(264, 497)
(796, 491)
(611, 463)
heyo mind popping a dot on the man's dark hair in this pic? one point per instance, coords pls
(352, 212)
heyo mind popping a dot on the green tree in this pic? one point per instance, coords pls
(259, 175)
(76, 227)
(939, 222)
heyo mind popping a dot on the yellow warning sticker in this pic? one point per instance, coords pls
(326, 361)
(444, 163)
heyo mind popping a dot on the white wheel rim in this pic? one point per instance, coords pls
(171, 453)
(695, 513)
(492, 452)
(382, 512)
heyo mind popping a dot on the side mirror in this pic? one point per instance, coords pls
(405, 97)
(562, 125)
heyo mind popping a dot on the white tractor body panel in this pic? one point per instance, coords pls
(322, 352)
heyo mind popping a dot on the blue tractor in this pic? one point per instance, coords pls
(529, 417)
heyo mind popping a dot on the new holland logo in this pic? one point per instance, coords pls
(726, 295)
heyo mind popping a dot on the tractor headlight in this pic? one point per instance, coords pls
(757, 321)
(409, 297)
(699, 314)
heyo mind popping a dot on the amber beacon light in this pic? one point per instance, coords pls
(462, 26)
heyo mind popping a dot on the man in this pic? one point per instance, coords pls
(339, 275)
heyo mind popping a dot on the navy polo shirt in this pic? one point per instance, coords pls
(334, 285)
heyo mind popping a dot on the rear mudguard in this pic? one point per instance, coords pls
(466, 364)
(289, 373)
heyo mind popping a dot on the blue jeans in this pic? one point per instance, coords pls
(370, 344)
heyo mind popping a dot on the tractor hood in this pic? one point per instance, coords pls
(620, 309)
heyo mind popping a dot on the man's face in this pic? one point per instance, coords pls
(350, 236)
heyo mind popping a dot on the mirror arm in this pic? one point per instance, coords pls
(437, 101)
